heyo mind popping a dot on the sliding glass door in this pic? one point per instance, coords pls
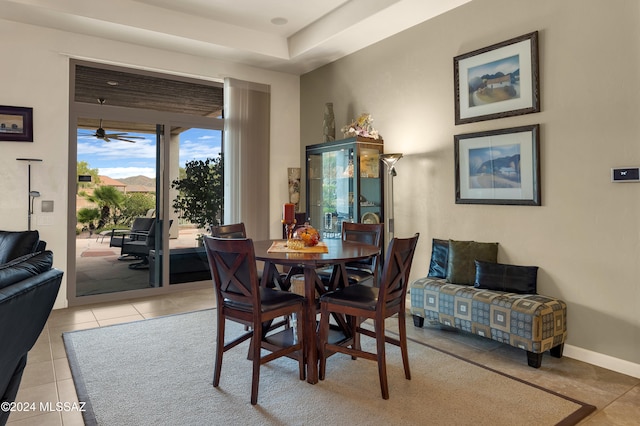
(124, 223)
(117, 207)
(145, 151)
(195, 194)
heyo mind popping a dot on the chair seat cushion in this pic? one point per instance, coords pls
(270, 299)
(355, 275)
(360, 296)
(360, 276)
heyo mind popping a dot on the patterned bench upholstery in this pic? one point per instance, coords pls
(531, 322)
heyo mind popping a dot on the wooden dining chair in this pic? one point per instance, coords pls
(238, 230)
(241, 299)
(367, 270)
(234, 230)
(359, 301)
(361, 271)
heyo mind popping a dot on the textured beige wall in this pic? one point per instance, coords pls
(586, 235)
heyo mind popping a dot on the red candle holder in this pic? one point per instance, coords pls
(288, 228)
(289, 212)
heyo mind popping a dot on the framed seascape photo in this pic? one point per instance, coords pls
(497, 81)
(16, 124)
(498, 166)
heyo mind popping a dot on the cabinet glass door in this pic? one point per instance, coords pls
(331, 190)
(370, 202)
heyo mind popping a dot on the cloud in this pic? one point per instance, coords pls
(124, 172)
(118, 159)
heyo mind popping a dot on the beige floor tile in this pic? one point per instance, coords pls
(71, 316)
(72, 418)
(61, 369)
(38, 373)
(120, 320)
(41, 350)
(624, 411)
(41, 419)
(45, 393)
(154, 305)
(67, 391)
(109, 312)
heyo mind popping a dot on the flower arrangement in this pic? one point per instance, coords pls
(308, 234)
(363, 126)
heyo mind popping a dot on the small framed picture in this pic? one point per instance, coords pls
(497, 81)
(498, 166)
(16, 124)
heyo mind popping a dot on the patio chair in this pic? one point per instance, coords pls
(138, 232)
(140, 248)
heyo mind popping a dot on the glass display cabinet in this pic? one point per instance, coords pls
(344, 183)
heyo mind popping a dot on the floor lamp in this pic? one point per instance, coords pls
(32, 194)
(390, 160)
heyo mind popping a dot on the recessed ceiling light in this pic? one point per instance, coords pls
(112, 83)
(279, 21)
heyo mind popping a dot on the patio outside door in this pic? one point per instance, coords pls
(118, 211)
(138, 179)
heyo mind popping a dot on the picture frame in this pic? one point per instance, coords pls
(501, 80)
(498, 166)
(16, 124)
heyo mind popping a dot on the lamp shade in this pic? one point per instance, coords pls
(390, 159)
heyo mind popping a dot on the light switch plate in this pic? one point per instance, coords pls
(625, 174)
(47, 206)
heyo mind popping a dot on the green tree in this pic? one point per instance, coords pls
(109, 200)
(136, 204)
(201, 192)
(88, 216)
(84, 169)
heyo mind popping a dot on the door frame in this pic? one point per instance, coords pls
(110, 112)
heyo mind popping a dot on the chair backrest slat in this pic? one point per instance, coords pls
(396, 270)
(233, 269)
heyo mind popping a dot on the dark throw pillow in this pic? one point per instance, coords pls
(25, 267)
(439, 258)
(16, 244)
(462, 256)
(509, 278)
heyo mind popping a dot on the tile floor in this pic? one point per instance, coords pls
(48, 377)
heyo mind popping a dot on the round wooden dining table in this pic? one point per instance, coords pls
(338, 253)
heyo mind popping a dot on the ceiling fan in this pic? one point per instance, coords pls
(102, 134)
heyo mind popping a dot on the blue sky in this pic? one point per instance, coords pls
(118, 159)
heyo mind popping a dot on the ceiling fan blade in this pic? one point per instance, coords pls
(105, 138)
(123, 139)
(118, 135)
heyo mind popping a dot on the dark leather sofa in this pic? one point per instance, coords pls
(28, 289)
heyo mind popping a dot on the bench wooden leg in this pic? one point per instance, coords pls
(418, 321)
(534, 360)
(556, 351)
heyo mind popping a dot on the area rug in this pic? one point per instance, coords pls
(97, 253)
(159, 372)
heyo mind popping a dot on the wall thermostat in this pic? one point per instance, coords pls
(625, 174)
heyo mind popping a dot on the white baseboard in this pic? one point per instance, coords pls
(601, 360)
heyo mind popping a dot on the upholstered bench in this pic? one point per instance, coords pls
(500, 304)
